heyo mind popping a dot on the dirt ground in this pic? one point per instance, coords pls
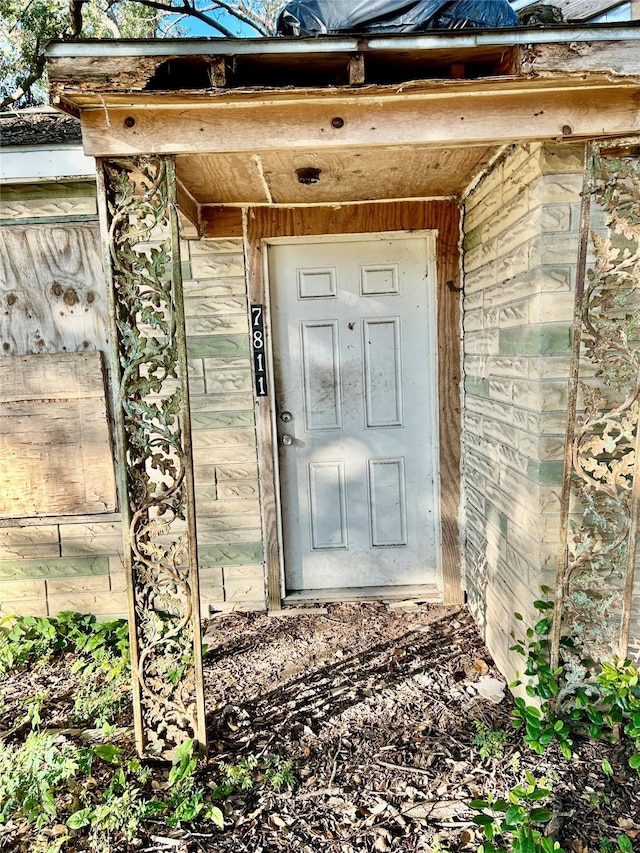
(378, 705)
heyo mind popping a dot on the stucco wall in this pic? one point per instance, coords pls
(75, 562)
(520, 255)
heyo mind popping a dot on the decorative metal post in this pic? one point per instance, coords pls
(598, 553)
(153, 438)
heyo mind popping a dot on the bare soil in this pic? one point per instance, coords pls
(378, 706)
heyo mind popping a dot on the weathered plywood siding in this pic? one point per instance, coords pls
(520, 261)
(55, 452)
(56, 556)
(58, 550)
(52, 293)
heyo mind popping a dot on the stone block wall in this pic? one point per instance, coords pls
(223, 425)
(75, 562)
(520, 252)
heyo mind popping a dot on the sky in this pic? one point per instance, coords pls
(197, 28)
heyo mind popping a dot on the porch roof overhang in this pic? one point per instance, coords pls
(384, 117)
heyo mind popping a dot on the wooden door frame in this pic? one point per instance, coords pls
(262, 224)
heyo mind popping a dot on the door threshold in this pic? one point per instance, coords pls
(415, 592)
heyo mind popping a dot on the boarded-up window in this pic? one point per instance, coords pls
(55, 448)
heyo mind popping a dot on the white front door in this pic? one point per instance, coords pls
(355, 364)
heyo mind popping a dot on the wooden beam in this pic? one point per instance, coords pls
(219, 221)
(219, 72)
(583, 57)
(188, 208)
(438, 119)
(356, 70)
(264, 222)
(78, 98)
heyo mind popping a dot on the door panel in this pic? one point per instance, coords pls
(354, 364)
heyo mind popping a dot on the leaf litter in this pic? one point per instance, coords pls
(386, 711)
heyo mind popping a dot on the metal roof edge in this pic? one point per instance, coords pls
(340, 44)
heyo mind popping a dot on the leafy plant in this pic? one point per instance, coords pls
(99, 704)
(124, 805)
(250, 769)
(27, 640)
(279, 772)
(617, 706)
(490, 742)
(33, 705)
(514, 820)
(120, 811)
(540, 723)
(605, 706)
(622, 844)
(30, 640)
(34, 775)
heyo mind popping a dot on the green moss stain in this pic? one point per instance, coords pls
(477, 387)
(72, 189)
(545, 473)
(497, 518)
(221, 420)
(237, 554)
(212, 345)
(53, 567)
(547, 339)
(473, 238)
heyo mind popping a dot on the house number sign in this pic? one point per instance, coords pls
(257, 344)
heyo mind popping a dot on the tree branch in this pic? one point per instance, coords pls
(188, 11)
(245, 15)
(25, 85)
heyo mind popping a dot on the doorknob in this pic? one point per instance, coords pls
(287, 439)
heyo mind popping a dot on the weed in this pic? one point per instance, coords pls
(30, 640)
(609, 704)
(124, 805)
(279, 772)
(514, 762)
(239, 776)
(595, 799)
(33, 705)
(514, 820)
(621, 845)
(490, 742)
(32, 776)
(97, 705)
(119, 812)
(250, 769)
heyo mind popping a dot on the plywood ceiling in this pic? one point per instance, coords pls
(345, 175)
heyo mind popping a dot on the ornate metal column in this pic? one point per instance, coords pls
(153, 439)
(600, 523)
